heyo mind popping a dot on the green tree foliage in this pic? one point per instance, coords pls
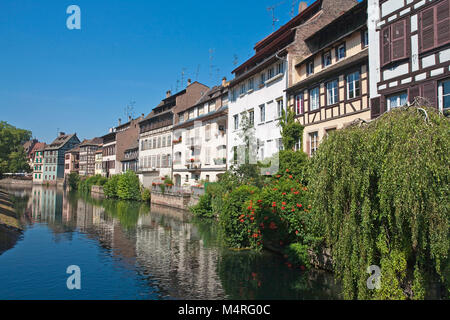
(296, 162)
(110, 187)
(129, 187)
(291, 130)
(203, 209)
(381, 197)
(146, 195)
(73, 181)
(12, 154)
(85, 185)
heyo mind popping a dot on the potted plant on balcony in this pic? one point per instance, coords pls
(192, 160)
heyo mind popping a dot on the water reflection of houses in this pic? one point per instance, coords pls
(172, 250)
(46, 204)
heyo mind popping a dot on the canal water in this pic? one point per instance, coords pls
(131, 251)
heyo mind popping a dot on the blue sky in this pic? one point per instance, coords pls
(82, 80)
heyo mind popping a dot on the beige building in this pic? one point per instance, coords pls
(156, 133)
(330, 83)
(99, 161)
(200, 139)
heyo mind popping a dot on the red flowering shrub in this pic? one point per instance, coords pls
(282, 211)
(237, 219)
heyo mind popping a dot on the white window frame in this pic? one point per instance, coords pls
(299, 100)
(351, 79)
(332, 93)
(310, 68)
(327, 55)
(313, 142)
(236, 122)
(365, 38)
(280, 68)
(316, 105)
(398, 97)
(441, 95)
(280, 107)
(262, 113)
(270, 73)
(338, 56)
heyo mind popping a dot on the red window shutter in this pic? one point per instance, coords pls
(399, 43)
(413, 93)
(386, 45)
(429, 92)
(443, 22)
(427, 33)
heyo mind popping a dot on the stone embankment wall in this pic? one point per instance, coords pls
(180, 201)
(16, 182)
(8, 217)
(98, 192)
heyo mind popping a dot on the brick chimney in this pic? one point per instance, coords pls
(189, 82)
(168, 93)
(302, 6)
(62, 134)
(120, 121)
(224, 81)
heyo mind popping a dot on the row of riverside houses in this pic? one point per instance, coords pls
(335, 62)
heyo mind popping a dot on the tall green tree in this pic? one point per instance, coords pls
(291, 130)
(12, 154)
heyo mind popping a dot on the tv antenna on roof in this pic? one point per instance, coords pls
(197, 72)
(294, 5)
(235, 60)
(129, 110)
(272, 9)
(183, 72)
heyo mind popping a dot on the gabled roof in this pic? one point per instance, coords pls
(211, 94)
(270, 44)
(60, 142)
(38, 147)
(92, 142)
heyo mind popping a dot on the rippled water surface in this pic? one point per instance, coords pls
(131, 251)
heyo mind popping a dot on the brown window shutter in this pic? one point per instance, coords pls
(443, 22)
(429, 92)
(413, 93)
(386, 45)
(399, 43)
(375, 107)
(383, 105)
(427, 33)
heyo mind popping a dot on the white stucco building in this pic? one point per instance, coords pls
(156, 134)
(260, 95)
(200, 139)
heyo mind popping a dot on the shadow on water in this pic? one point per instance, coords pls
(169, 255)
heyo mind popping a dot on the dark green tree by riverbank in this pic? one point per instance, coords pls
(12, 154)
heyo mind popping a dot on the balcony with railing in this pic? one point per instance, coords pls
(193, 165)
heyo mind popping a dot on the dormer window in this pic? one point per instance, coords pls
(262, 79)
(270, 73)
(309, 68)
(280, 68)
(251, 84)
(341, 52)
(242, 91)
(326, 59)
